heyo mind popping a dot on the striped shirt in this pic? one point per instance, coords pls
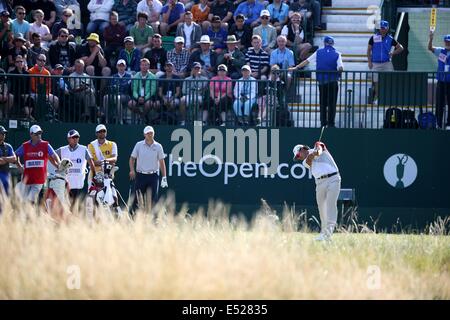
(179, 60)
(258, 60)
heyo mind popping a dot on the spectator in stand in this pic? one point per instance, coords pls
(232, 57)
(131, 55)
(143, 85)
(243, 33)
(295, 35)
(221, 96)
(157, 56)
(206, 57)
(142, 33)
(63, 23)
(20, 87)
(169, 92)
(38, 27)
(94, 58)
(217, 34)
(5, 30)
(223, 9)
(283, 57)
(100, 10)
(172, 14)
(179, 57)
(48, 8)
(36, 50)
(63, 52)
(119, 93)
(72, 21)
(20, 25)
(251, 11)
(267, 32)
(18, 49)
(200, 13)
(41, 82)
(309, 10)
(126, 9)
(153, 10)
(190, 31)
(114, 35)
(6, 98)
(258, 59)
(193, 92)
(82, 88)
(279, 13)
(245, 94)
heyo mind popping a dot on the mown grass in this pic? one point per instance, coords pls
(177, 255)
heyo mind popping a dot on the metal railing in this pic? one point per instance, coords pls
(286, 99)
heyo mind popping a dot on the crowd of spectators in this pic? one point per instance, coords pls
(221, 44)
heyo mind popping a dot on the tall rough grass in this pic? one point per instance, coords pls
(208, 255)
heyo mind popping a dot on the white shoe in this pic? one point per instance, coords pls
(223, 124)
(322, 237)
(447, 128)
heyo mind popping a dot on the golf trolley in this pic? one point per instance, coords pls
(103, 193)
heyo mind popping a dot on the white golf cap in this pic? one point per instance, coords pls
(264, 13)
(100, 127)
(121, 61)
(35, 129)
(72, 133)
(179, 39)
(148, 129)
(246, 67)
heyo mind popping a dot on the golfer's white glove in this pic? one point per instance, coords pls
(164, 182)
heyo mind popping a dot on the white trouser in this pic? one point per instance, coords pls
(327, 192)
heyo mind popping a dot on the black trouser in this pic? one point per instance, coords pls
(442, 92)
(328, 98)
(143, 184)
(74, 194)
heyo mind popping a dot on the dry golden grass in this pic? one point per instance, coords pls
(179, 256)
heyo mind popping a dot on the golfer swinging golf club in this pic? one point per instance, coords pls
(328, 183)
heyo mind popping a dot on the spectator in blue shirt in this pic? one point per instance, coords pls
(172, 15)
(131, 55)
(7, 156)
(279, 14)
(283, 58)
(218, 35)
(251, 11)
(119, 93)
(20, 25)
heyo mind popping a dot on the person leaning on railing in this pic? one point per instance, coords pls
(144, 101)
(6, 98)
(169, 93)
(83, 91)
(193, 92)
(20, 87)
(245, 94)
(221, 96)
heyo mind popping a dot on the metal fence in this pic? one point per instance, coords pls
(286, 99)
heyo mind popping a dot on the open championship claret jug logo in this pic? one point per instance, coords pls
(400, 171)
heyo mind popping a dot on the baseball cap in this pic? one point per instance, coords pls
(215, 19)
(297, 149)
(3, 130)
(264, 13)
(148, 129)
(178, 40)
(100, 127)
(328, 40)
(72, 133)
(246, 67)
(222, 67)
(384, 24)
(169, 63)
(156, 35)
(447, 37)
(197, 65)
(59, 66)
(35, 129)
(5, 13)
(121, 61)
(128, 39)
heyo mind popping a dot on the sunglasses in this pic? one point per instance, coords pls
(63, 35)
(21, 13)
(265, 17)
(75, 137)
(19, 61)
(42, 60)
(101, 131)
(67, 15)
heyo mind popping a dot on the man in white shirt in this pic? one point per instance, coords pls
(190, 31)
(328, 183)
